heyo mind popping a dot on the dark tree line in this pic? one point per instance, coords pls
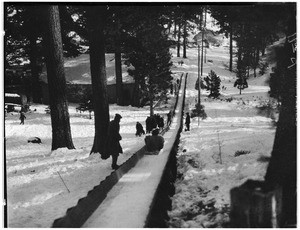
(254, 27)
(282, 167)
(140, 37)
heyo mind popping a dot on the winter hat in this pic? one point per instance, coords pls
(155, 131)
(118, 116)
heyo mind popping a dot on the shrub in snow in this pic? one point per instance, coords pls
(241, 152)
(199, 112)
(269, 109)
(263, 66)
(229, 99)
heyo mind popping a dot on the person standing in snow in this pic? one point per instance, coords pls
(154, 143)
(113, 146)
(139, 129)
(161, 122)
(22, 117)
(148, 124)
(187, 121)
(169, 116)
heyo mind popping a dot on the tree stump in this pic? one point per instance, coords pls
(254, 205)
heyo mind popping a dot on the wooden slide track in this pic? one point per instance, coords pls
(135, 195)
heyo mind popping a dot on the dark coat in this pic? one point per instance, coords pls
(153, 122)
(169, 115)
(150, 124)
(187, 120)
(113, 146)
(161, 122)
(22, 116)
(154, 143)
(139, 129)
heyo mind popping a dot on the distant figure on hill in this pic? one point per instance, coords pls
(148, 124)
(157, 120)
(22, 117)
(161, 122)
(187, 122)
(154, 143)
(169, 116)
(113, 146)
(139, 129)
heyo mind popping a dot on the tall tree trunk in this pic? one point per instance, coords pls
(248, 71)
(96, 20)
(282, 169)
(61, 131)
(175, 29)
(254, 60)
(35, 87)
(169, 27)
(178, 40)
(151, 101)
(263, 47)
(184, 39)
(118, 67)
(257, 56)
(135, 99)
(36, 92)
(230, 49)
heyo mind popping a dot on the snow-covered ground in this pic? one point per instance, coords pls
(36, 176)
(42, 185)
(208, 167)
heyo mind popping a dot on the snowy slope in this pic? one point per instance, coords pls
(37, 194)
(208, 167)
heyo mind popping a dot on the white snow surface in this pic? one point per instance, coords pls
(36, 175)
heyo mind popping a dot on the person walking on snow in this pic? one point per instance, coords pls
(113, 146)
(187, 122)
(22, 118)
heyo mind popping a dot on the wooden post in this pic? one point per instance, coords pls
(255, 206)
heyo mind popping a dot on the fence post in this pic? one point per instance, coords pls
(254, 205)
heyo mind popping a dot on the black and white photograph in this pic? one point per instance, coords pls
(149, 114)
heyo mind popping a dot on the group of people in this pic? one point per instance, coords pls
(154, 143)
(153, 122)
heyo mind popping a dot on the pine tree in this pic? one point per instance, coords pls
(241, 82)
(148, 52)
(96, 21)
(61, 130)
(282, 169)
(212, 84)
(23, 31)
